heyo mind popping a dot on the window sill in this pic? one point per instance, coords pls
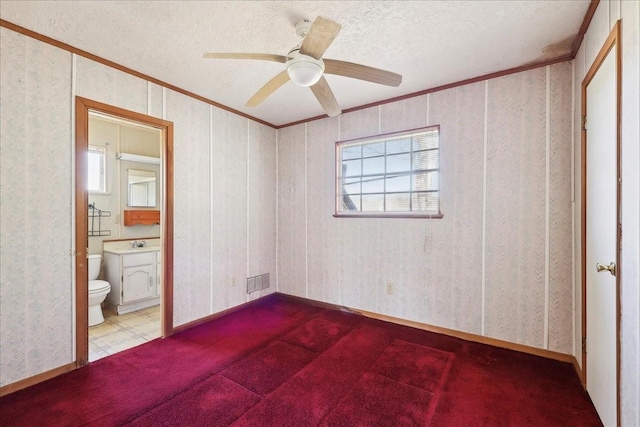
(388, 215)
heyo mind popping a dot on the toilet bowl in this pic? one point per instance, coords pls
(98, 290)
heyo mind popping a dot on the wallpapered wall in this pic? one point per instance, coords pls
(224, 199)
(498, 264)
(605, 17)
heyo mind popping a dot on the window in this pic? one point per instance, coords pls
(394, 175)
(96, 173)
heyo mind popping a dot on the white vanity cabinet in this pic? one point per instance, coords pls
(133, 275)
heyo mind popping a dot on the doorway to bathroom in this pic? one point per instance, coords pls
(124, 214)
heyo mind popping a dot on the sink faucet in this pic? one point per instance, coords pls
(134, 244)
(140, 244)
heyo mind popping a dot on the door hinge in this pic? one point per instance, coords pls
(584, 345)
(583, 122)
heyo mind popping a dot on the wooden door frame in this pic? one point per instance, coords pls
(83, 106)
(611, 45)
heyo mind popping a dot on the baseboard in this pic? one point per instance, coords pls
(27, 382)
(213, 316)
(568, 358)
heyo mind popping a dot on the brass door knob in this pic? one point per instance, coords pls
(611, 268)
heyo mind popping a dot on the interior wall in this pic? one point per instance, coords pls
(498, 264)
(225, 184)
(605, 17)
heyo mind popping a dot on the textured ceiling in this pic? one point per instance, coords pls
(430, 43)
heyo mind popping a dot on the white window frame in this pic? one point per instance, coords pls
(342, 212)
(102, 151)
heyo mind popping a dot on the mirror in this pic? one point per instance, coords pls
(141, 188)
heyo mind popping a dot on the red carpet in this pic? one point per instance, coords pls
(286, 363)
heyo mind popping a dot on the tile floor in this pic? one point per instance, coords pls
(118, 333)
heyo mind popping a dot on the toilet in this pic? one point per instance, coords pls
(98, 290)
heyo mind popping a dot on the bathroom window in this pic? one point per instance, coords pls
(392, 175)
(96, 174)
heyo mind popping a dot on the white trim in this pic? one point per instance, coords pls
(148, 98)
(74, 249)
(248, 207)
(211, 215)
(164, 103)
(573, 210)
(277, 278)
(484, 207)
(306, 214)
(547, 179)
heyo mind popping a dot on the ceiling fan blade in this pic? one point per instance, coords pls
(325, 96)
(362, 72)
(260, 56)
(320, 36)
(266, 90)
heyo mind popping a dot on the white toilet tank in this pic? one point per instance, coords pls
(94, 266)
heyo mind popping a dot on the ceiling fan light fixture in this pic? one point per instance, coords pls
(304, 70)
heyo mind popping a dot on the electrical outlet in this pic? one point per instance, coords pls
(233, 282)
(117, 219)
(389, 287)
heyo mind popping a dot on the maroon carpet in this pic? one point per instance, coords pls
(286, 363)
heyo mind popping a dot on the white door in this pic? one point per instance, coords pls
(601, 226)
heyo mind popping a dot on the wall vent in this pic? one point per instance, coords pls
(257, 283)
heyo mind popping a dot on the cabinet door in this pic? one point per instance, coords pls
(138, 283)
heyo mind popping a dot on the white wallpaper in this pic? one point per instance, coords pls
(291, 209)
(229, 190)
(560, 220)
(322, 236)
(261, 205)
(515, 230)
(98, 82)
(192, 211)
(36, 286)
(607, 13)
(213, 150)
(460, 114)
(434, 267)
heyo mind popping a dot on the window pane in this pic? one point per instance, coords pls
(399, 163)
(425, 160)
(425, 140)
(351, 186)
(374, 165)
(398, 202)
(373, 184)
(351, 152)
(373, 149)
(95, 171)
(351, 168)
(425, 202)
(398, 183)
(425, 181)
(350, 202)
(399, 145)
(373, 203)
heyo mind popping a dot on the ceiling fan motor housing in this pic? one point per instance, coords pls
(304, 70)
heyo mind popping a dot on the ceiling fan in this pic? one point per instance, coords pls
(305, 65)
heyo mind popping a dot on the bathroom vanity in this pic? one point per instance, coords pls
(134, 275)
